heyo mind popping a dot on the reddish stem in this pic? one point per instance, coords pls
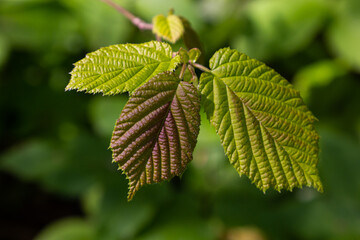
(139, 23)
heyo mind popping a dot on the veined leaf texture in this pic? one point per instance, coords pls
(121, 68)
(265, 128)
(156, 133)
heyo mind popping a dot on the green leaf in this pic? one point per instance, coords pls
(184, 55)
(194, 54)
(170, 28)
(120, 68)
(191, 55)
(156, 133)
(266, 130)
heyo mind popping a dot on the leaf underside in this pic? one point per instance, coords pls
(266, 130)
(156, 133)
(169, 28)
(121, 68)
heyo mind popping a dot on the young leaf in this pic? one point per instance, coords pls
(169, 28)
(194, 54)
(120, 68)
(266, 130)
(184, 56)
(156, 133)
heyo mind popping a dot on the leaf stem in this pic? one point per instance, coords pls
(194, 77)
(158, 38)
(199, 66)
(182, 72)
(139, 23)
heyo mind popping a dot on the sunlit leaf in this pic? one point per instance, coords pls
(156, 133)
(266, 130)
(120, 68)
(170, 28)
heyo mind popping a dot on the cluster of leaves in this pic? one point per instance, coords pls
(53, 144)
(265, 128)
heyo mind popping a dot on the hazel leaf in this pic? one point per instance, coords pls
(265, 128)
(121, 68)
(157, 130)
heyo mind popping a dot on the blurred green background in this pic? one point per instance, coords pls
(56, 176)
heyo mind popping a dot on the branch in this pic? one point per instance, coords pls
(139, 23)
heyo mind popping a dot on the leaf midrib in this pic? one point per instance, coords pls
(308, 115)
(115, 70)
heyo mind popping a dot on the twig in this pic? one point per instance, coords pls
(139, 23)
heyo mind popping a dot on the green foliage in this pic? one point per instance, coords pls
(318, 74)
(344, 34)
(156, 133)
(194, 54)
(92, 18)
(266, 130)
(54, 161)
(271, 22)
(4, 49)
(120, 68)
(72, 229)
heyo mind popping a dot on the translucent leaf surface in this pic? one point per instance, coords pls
(170, 28)
(120, 68)
(156, 133)
(266, 130)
